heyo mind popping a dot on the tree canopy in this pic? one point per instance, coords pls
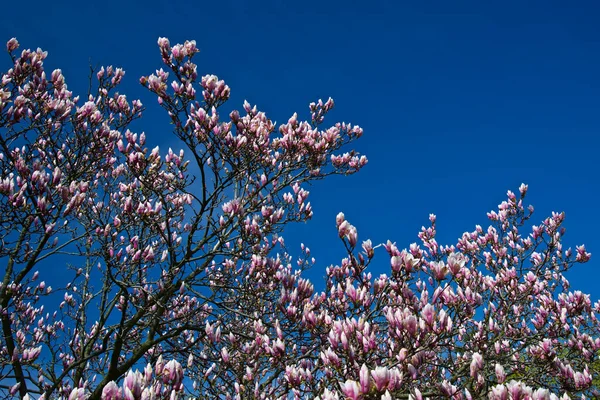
(175, 281)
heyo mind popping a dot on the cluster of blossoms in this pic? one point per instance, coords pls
(490, 317)
(165, 380)
(177, 255)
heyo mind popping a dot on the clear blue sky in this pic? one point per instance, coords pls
(460, 101)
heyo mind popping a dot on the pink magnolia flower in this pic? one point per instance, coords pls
(173, 373)
(476, 364)
(111, 392)
(381, 378)
(12, 45)
(365, 379)
(133, 385)
(500, 375)
(351, 389)
(77, 394)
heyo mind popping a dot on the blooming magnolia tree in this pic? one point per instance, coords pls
(172, 279)
(490, 317)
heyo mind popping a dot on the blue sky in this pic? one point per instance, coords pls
(460, 101)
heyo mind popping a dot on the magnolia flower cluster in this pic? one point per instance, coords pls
(156, 253)
(468, 321)
(178, 254)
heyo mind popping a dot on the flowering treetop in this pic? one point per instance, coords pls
(179, 283)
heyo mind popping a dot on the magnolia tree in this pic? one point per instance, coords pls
(172, 280)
